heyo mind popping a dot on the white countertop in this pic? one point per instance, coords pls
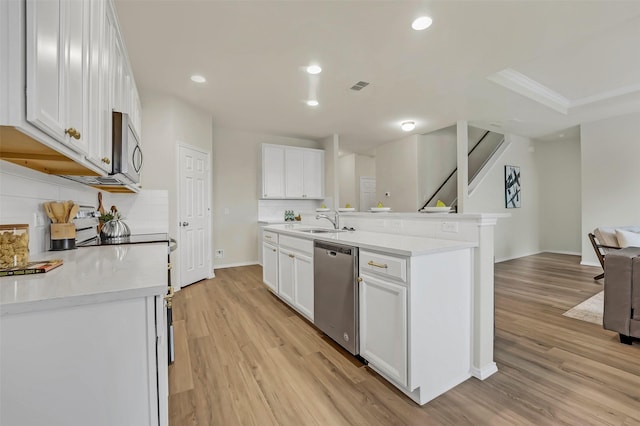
(88, 275)
(404, 245)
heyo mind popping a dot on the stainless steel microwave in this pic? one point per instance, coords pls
(127, 154)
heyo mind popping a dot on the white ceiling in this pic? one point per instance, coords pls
(582, 55)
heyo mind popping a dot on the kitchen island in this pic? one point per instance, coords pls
(85, 343)
(414, 300)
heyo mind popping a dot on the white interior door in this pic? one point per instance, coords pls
(367, 193)
(194, 216)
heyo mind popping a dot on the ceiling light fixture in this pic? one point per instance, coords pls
(313, 102)
(408, 126)
(198, 79)
(422, 23)
(314, 69)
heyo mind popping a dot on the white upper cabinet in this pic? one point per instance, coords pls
(313, 173)
(57, 69)
(272, 171)
(70, 57)
(291, 172)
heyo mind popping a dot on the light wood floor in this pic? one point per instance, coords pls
(245, 358)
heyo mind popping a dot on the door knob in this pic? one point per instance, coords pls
(185, 224)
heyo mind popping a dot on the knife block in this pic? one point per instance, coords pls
(63, 236)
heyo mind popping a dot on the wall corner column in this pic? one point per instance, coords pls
(462, 150)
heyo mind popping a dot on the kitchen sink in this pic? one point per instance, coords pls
(321, 230)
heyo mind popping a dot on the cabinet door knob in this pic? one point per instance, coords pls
(184, 224)
(73, 133)
(359, 279)
(105, 160)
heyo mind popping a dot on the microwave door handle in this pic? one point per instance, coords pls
(137, 167)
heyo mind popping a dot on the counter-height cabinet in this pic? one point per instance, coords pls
(95, 364)
(383, 313)
(292, 172)
(287, 270)
(270, 260)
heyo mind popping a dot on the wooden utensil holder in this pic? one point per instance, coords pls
(63, 236)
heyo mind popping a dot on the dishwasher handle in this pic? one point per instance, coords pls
(337, 248)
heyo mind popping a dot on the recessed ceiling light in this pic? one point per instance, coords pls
(198, 79)
(408, 126)
(422, 23)
(312, 102)
(314, 69)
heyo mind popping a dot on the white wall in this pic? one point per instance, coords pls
(167, 121)
(610, 176)
(236, 178)
(397, 173)
(348, 186)
(559, 168)
(518, 235)
(436, 160)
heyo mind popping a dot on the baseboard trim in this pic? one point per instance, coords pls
(587, 263)
(484, 372)
(504, 259)
(572, 253)
(235, 265)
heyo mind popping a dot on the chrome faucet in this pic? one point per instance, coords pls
(334, 222)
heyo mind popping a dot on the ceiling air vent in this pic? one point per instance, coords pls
(359, 85)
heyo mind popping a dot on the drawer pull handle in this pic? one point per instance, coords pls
(268, 236)
(291, 256)
(377, 265)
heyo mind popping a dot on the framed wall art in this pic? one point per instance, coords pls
(512, 196)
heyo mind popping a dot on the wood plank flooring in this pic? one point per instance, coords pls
(244, 358)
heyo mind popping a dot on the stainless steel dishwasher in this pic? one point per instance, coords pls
(335, 294)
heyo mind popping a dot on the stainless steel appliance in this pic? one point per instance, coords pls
(335, 304)
(126, 156)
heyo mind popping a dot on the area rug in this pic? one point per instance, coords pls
(590, 310)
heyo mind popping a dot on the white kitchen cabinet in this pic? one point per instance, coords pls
(313, 173)
(57, 80)
(286, 274)
(272, 171)
(102, 31)
(295, 273)
(292, 172)
(70, 57)
(383, 326)
(303, 287)
(270, 266)
(98, 364)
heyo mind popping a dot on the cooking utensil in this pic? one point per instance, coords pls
(73, 212)
(59, 212)
(67, 209)
(49, 211)
(100, 206)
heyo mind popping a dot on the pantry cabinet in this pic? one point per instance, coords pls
(292, 172)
